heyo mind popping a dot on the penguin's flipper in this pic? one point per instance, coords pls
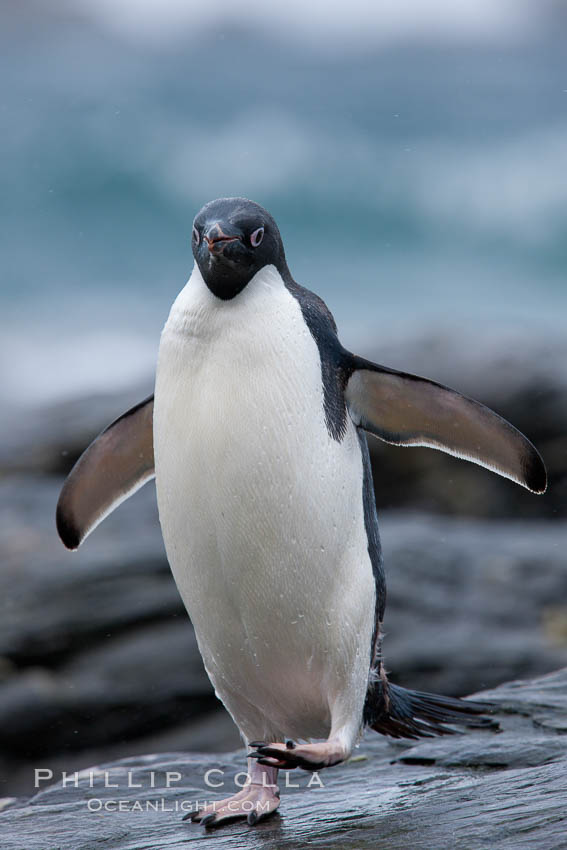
(116, 464)
(406, 410)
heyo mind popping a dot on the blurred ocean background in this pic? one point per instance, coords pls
(413, 154)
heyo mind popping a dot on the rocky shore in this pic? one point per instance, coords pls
(503, 788)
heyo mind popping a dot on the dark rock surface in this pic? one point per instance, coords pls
(473, 601)
(502, 790)
(49, 439)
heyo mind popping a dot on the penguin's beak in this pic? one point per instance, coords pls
(217, 237)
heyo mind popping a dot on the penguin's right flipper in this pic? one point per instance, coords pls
(407, 410)
(116, 464)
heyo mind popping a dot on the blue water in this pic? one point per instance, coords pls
(416, 187)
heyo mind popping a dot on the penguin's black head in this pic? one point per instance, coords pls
(234, 238)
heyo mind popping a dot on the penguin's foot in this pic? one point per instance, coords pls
(257, 800)
(308, 756)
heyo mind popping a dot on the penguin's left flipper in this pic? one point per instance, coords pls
(116, 464)
(406, 410)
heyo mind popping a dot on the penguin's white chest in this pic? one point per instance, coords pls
(261, 510)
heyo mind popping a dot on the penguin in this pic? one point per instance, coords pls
(256, 437)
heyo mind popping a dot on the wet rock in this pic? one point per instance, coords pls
(53, 602)
(504, 790)
(50, 439)
(124, 688)
(469, 600)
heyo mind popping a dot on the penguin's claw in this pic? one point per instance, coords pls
(252, 806)
(257, 800)
(272, 762)
(290, 755)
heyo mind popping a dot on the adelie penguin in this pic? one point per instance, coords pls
(256, 438)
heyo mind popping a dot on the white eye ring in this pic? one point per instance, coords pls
(196, 236)
(256, 237)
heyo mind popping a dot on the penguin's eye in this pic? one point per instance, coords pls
(256, 237)
(196, 236)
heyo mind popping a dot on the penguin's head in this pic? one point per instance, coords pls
(232, 239)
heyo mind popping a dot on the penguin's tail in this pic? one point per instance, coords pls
(402, 713)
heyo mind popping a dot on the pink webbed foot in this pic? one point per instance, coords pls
(257, 800)
(307, 756)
